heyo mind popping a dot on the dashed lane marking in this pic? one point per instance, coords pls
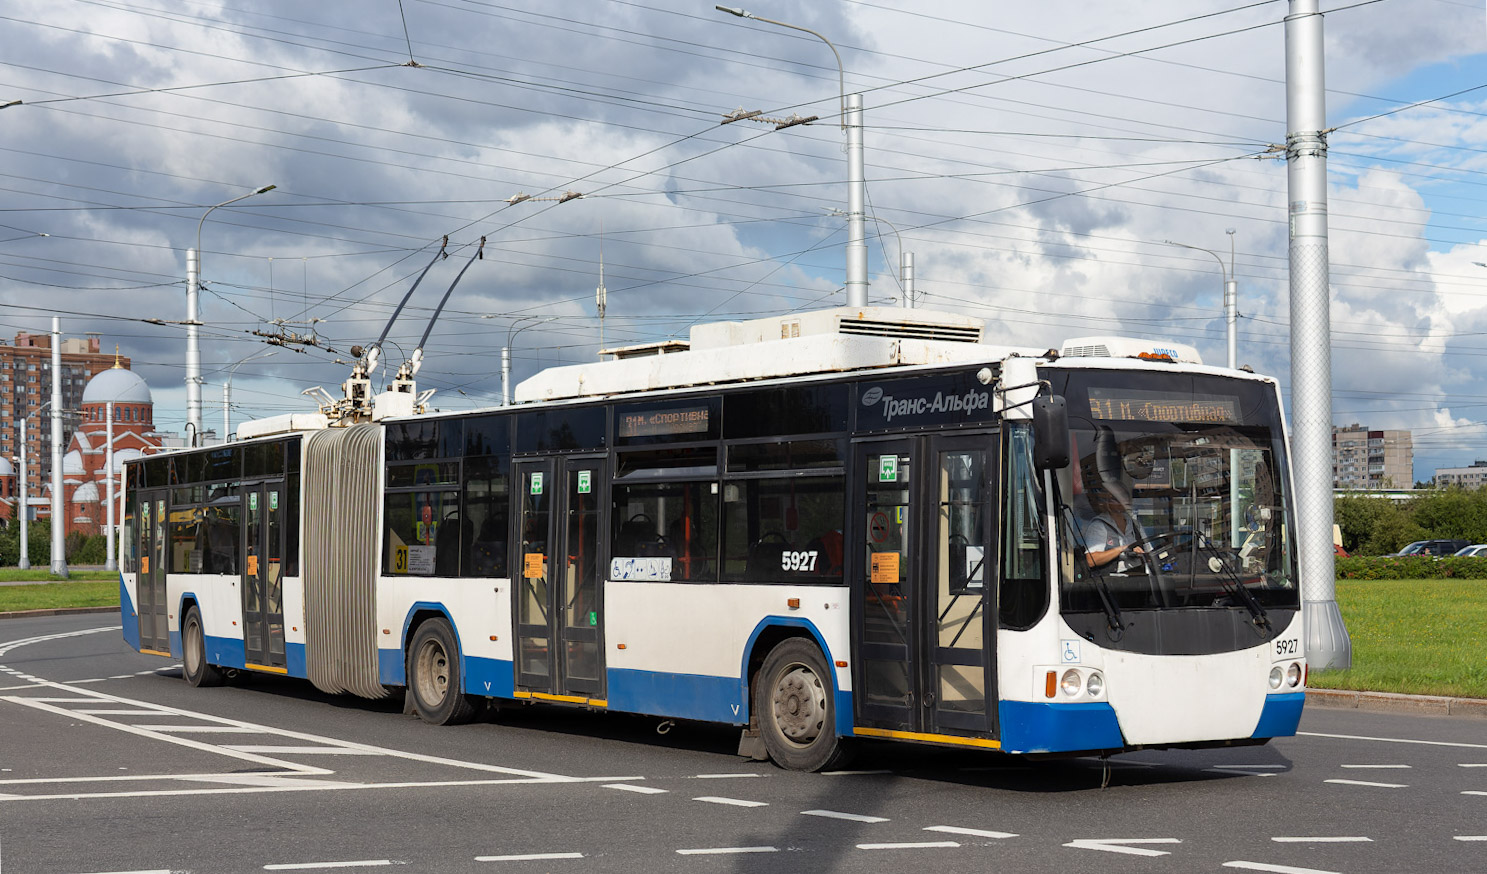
(1123, 845)
(642, 790)
(723, 776)
(529, 857)
(1392, 740)
(972, 832)
(733, 802)
(1275, 869)
(1323, 840)
(307, 866)
(1378, 767)
(301, 751)
(854, 773)
(851, 817)
(1368, 783)
(911, 845)
(1470, 838)
(726, 851)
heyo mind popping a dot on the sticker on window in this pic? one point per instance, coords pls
(534, 565)
(885, 567)
(654, 569)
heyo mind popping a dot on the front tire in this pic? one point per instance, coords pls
(434, 680)
(194, 666)
(796, 707)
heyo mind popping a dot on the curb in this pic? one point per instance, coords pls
(1392, 702)
(61, 611)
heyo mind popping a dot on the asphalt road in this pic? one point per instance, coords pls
(109, 762)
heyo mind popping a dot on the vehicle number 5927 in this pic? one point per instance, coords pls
(1286, 647)
(798, 561)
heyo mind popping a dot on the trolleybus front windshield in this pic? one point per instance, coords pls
(1174, 504)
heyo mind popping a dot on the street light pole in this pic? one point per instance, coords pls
(1231, 294)
(227, 391)
(109, 563)
(59, 546)
(193, 323)
(851, 120)
(511, 333)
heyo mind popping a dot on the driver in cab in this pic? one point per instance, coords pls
(1110, 534)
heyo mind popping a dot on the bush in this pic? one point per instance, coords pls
(1411, 567)
(38, 544)
(87, 550)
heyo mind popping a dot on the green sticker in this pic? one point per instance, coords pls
(273, 500)
(536, 483)
(252, 500)
(585, 482)
(888, 469)
(593, 617)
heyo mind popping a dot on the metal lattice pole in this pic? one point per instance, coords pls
(1327, 643)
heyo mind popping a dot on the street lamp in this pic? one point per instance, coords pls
(193, 323)
(227, 390)
(1231, 294)
(511, 333)
(851, 109)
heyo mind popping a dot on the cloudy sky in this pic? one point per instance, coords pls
(1034, 157)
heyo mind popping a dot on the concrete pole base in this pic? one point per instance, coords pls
(110, 565)
(1328, 646)
(59, 569)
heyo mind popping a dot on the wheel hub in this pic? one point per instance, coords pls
(800, 705)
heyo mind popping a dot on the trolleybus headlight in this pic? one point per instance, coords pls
(1276, 677)
(1293, 674)
(1071, 683)
(1095, 685)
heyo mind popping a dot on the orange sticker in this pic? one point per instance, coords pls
(252, 565)
(535, 566)
(885, 567)
(144, 564)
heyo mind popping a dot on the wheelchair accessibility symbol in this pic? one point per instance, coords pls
(1071, 652)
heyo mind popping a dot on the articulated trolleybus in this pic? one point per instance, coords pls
(858, 523)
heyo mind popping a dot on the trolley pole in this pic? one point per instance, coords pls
(1327, 643)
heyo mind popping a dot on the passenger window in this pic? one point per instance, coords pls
(676, 524)
(783, 530)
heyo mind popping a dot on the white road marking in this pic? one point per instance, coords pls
(1275, 869)
(529, 857)
(209, 729)
(911, 845)
(299, 785)
(735, 802)
(1123, 845)
(1238, 771)
(723, 851)
(1256, 767)
(1323, 840)
(973, 832)
(12, 644)
(723, 776)
(97, 712)
(1470, 838)
(1366, 783)
(305, 866)
(1392, 740)
(1473, 792)
(1472, 765)
(854, 773)
(643, 790)
(300, 751)
(853, 817)
(151, 871)
(111, 779)
(1379, 767)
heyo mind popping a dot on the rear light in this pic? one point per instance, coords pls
(1071, 683)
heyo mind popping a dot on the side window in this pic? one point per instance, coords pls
(423, 531)
(487, 491)
(783, 530)
(1024, 592)
(675, 523)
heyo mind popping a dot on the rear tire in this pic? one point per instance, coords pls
(434, 680)
(194, 665)
(795, 704)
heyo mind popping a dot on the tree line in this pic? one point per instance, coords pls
(1377, 526)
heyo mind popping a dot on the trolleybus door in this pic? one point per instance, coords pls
(263, 574)
(559, 608)
(926, 585)
(154, 633)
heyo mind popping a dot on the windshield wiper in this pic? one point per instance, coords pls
(1097, 579)
(1233, 583)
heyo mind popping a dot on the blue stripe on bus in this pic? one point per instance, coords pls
(684, 696)
(225, 652)
(482, 676)
(128, 618)
(843, 700)
(1033, 727)
(1281, 715)
(294, 660)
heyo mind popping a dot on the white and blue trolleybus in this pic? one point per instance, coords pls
(857, 523)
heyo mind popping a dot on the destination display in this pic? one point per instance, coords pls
(655, 423)
(1162, 406)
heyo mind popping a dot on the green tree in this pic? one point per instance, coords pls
(38, 544)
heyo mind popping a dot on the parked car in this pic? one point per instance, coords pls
(1338, 551)
(1436, 548)
(1476, 549)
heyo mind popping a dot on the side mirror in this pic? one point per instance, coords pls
(1050, 433)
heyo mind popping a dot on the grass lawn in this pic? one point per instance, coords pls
(1422, 637)
(50, 596)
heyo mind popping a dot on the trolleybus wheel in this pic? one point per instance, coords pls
(796, 708)
(194, 664)
(434, 676)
